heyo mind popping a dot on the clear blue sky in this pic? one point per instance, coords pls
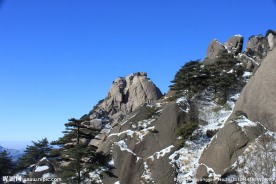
(58, 58)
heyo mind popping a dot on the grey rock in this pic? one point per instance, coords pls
(215, 49)
(257, 99)
(234, 44)
(271, 37)
(167, 125)
(257, 47)
(128, 93)
(229, 143)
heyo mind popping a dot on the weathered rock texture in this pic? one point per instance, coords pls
(271, 37)
(225, 148)
(234, 44)
(128, 93)
(129, 166)
(215, 49)
(257, 99)
(257, 47)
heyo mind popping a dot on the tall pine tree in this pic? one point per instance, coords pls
(6, 165)
(76, 157)
(34, 153)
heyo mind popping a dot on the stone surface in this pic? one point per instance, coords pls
(234, 44)
(257, 99)
(215, 49)
(271, 37)
(257, 47)
(128, 93)
(167, 125)
(225, 148)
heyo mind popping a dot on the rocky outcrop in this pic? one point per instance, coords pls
(271, 37)
(257, 47)
(128, 93)
(257, 102)
(234, 44)
(125, 95)
(146, 149)
(257, 99)
(225, 148)
(215, 49)
(42, 169)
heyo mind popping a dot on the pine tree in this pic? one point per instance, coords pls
(6, 165)
(34, 153)
(76, 156)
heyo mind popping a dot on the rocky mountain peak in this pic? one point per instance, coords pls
(128, 93)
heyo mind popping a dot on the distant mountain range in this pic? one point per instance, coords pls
(14, 153)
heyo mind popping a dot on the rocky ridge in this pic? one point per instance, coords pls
(149, 143)
(140, 128)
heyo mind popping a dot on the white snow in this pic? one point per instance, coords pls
(48, 175)
(231, 71)
(238, 35)
(161, 153)
(123, 147)
(185, 160)
(242, 121)
(147, 176)
(144, 129)
(41, 168)
(117, 182)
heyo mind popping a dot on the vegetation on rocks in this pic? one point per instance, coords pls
(222, 75)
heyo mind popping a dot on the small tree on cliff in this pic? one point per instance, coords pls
(34, 153)
(78, 158)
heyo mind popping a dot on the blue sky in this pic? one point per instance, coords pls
(59, 58)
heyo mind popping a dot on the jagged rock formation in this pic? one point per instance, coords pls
(215, 49)
(234, 44)
(271, 37)
(257, 47)
(125, 95)
(256, 103)
(141, 131)
(128, 93)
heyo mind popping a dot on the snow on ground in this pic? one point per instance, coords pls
(123, 147)
(142, 130)
(258, 160)
(41, 168)
(161, 153)
(183, 102)
(185, 160)
(242, 121)
(146, 176)
(95, 176)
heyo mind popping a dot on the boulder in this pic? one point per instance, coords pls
(234, 44)
(229, 143)
(43, 169)
(271, 38)
(215, 49)
(257, 47)
(128, 93)
(257, 99)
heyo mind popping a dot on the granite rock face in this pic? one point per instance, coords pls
(215, 49)
(234, 44)
(257, 47)
(271, 37)
(128, 93)
(257, 99)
